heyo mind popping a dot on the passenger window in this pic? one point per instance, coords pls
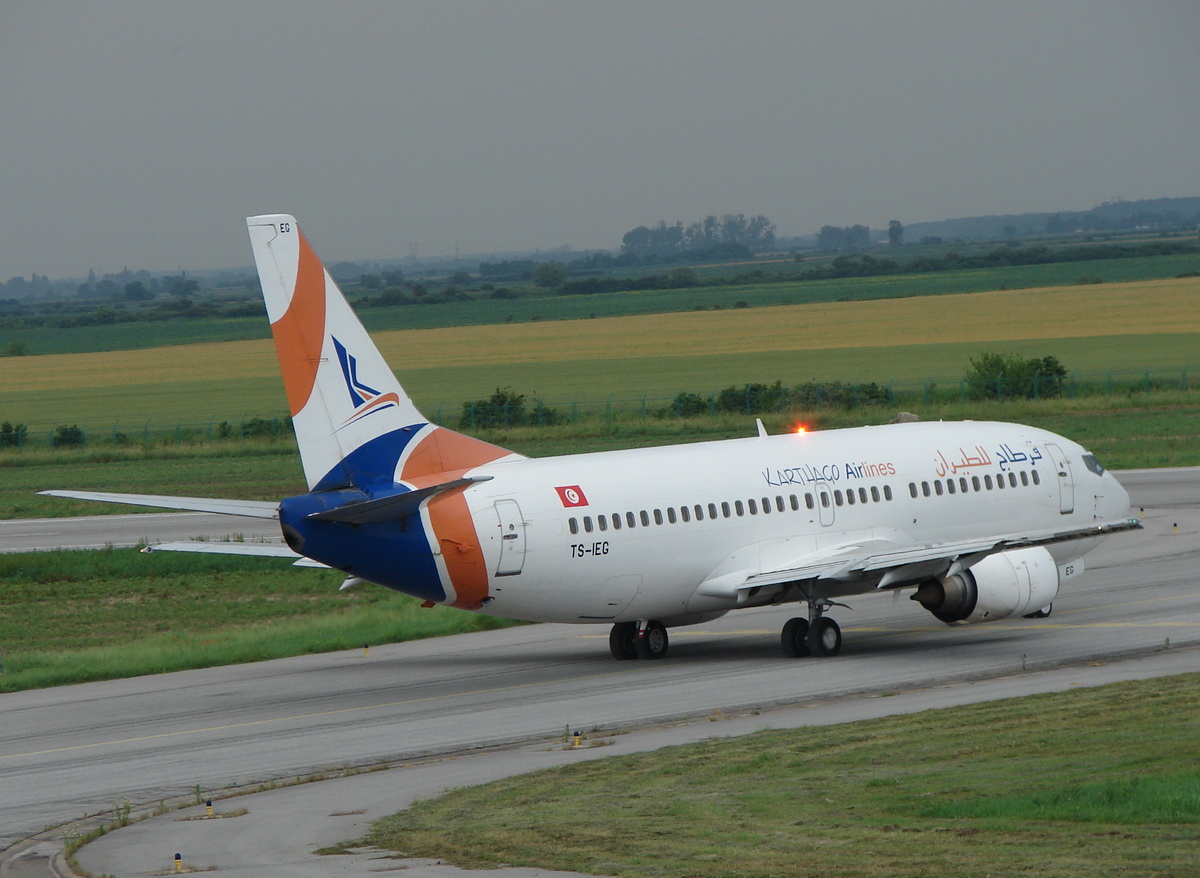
(824, 499)
(862, 495)
(712, 511)
(779, 502)
(912, 489)
(753, 506)
(1012, 480)
(975, 483)
(630, 520)
(587, 524)
(671, 514)
(573, 525)
(950, 486)
(987, 481)
(699, 512)
(616, 521)
(645, 516)
(925, 488)
(962, 484)
(766, 504)
(837, 496)
(937, 487)
(809, 502)
(1000, 481)
(739, 508)
(602, 522)
(1037, 480)
(850, 497)
(1024, 479)
(887, 492)
(725, 508)
(658, 518)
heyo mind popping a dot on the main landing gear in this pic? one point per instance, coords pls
(632, 640)
(817, 635)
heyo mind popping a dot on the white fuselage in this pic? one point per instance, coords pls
(615, 536)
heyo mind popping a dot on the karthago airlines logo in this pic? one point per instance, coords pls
(365, 399)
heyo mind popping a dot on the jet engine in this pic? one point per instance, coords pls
(1001, 585)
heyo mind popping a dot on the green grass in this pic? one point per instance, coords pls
(1126, 431)
(1092, 782)
(72, 617)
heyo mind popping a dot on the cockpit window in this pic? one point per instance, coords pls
(1089, 460)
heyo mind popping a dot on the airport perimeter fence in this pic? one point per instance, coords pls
(748, 399)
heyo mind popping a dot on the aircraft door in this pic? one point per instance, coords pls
(1066, 485)
(824, 498)
(512, 538)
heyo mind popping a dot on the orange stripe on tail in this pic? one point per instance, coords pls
(300, 332)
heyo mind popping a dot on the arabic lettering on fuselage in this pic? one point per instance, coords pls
(807, 474)
(978, 456)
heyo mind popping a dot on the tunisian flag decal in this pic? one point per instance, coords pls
(572, 495)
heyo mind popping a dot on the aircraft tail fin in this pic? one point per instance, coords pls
(354, 423)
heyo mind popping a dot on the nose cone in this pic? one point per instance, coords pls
(1113, 500)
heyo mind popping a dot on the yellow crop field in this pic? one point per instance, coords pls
(1131, 326)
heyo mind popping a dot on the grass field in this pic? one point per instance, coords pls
(550, 307)
(1131, 327)
(71, 617)
(1003, 788)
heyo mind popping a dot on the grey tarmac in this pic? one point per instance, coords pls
(465, 709)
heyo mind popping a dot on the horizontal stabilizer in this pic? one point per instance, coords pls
(254, 550)
(245, 508)
(391, 508)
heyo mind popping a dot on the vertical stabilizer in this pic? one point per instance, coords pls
(354, 423)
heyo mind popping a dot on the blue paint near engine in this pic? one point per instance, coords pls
(395, 554)
(372, 465)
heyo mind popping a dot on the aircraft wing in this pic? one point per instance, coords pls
(258, 550)
(881, 564)
(245, 508)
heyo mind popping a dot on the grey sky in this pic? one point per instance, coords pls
(141, 133)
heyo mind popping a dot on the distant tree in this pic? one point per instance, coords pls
(831, 238)
(370, 281)
(549, 275)
(1000, 376)
(858, 236)
(895, 233)
(136, 291)
(180, 286)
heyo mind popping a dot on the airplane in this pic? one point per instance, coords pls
(978, 521)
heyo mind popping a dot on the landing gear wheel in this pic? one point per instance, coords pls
(794, 638)
(652, 642)
(824, 637)
(1042, 613)
(621, 641)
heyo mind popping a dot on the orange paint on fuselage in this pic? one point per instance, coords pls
(443, 456)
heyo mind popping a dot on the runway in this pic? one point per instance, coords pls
(71, 751)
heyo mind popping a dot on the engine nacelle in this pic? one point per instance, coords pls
(1002, 585)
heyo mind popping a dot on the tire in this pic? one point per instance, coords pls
(824, 637)
(621, 641)
(1042, 613)
(652, 643)
(794, 638)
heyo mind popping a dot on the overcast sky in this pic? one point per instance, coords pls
(141, 134)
